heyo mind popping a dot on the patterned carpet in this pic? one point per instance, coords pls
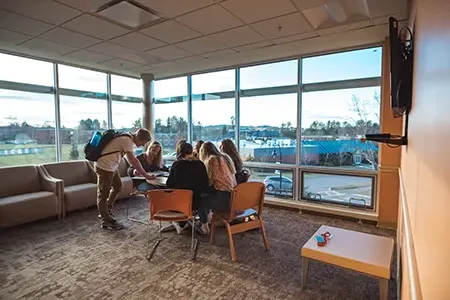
(75, 259)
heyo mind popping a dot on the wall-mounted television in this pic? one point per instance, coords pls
(401, 52)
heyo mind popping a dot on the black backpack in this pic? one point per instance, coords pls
(93, 153)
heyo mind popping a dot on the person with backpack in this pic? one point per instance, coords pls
(106, 150)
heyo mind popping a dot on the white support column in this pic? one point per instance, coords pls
(57, 112)
(148, 119)
(109, 101)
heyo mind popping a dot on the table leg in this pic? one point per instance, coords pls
(384, 287)
(305, 269)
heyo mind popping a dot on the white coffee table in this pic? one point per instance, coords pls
(362, 252)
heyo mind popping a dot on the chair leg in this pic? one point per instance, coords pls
(263, 231)
(194, 241)
(213, 226)
(150, 253)
(231, 242)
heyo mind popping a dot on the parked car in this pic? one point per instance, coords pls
(278, 183)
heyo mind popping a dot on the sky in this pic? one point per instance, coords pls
(37, 109)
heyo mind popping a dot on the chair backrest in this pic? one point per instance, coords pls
(170, 199)
(19, 180)
(248, 195)
(71, 172)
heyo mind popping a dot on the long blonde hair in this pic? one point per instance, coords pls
(157, 159)
(208, 150)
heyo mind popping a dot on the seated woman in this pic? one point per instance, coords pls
(152, 161)
(221, 176)
(188, 173)
(228, 147)
(198, 145)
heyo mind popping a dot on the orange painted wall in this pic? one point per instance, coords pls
(425, 162)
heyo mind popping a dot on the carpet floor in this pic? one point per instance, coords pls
(76, 259)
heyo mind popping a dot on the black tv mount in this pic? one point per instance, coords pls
(388, 138)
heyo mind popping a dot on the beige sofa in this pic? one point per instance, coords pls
(80, 183)
(28, 194)
(127, 186)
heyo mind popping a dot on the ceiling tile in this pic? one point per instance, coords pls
(138, 41)
(342, 28)
(251, 11)
(170, 32)
(11, 37)
(317, 15)
(47, 46)
(43, 10)
(165, 66)
(305, 4)
(282, 26)
(87, 56)
(190, 60)
(71, 38)
(173, 8)
(120, 64)
(379, 8)
(253, 46)
(201, 45)
(219, 53)
(95, 27)
(111, 49)
(385, 19)
(143, 69)
(295, 37)
(210, 19)
(149, 58)
(238, 36)
(169, 52)
(85, 5)
(22, 24)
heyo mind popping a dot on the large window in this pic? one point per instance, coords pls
(336, 116)
(127, 109)
(25, 70)
(27, 128)
(279, 183)
(171, 123)
(92, 83)
(268, 113)
(213, 106)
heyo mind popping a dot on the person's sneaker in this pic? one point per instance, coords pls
(112, 224)
(178, 228)
(99, 216)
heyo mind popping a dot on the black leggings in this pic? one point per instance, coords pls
(216, 201)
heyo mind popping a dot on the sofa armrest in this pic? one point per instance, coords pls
(54, 185)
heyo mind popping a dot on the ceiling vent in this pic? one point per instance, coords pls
(128, 13)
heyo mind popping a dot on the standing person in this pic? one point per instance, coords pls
(228, 147)
(152, 161)
(221, 176)
(109, 182)
(197, 147)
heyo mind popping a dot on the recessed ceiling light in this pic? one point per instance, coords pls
(128, 13)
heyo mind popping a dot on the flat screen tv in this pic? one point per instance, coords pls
(401, 52)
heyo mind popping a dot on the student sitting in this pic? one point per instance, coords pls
(187, 173)
(221, 174)
(197, 147)
(152, 161)
(228, 147)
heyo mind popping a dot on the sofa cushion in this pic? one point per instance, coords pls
(71, 172)
(27, 207)
(80, 196)
(19, 180)
(127, 187)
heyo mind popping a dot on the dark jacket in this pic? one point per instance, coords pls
(189, 175)
(146, 166)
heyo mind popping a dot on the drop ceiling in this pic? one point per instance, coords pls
(172, 37)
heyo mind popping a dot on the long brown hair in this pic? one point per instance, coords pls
(209, 150)
(228, 147)
(157, 159)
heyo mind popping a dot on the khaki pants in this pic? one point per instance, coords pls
(109, 185)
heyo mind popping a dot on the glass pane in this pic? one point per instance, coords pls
(333, 123)
(126, 116)
(20, 69)
(27, 128)
(353, 191)
(80, 118)
(279, 183)
(342, 66)
(126, 86)
(212, 92)
(171, 87)
(223, 81)
(81, 79)
(269, 75)
(268, 128)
